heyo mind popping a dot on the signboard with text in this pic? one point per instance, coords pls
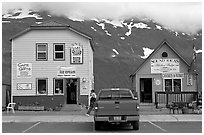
(76, 53)
(66, 72)
(24, 70)
(164, 66)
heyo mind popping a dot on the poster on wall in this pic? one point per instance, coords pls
(189, 80)
(164, 66)
(24, 70)
(76, 54)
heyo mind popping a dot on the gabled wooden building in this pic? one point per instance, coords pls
(164, 71)
(52, 65)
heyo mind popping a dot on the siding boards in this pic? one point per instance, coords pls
(24, 51)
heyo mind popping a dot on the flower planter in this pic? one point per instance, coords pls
(31, 108)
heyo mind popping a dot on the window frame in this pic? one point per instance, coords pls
(54, 86)
(46, 51)
(37, 93)
(54, 52)
(172, 86)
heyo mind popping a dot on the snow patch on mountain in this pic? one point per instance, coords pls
(158, 27)
(75, 19)
(20, 14)
(93, 28)
(123, 38)
(115, 53)
(147, 52)
(107, 33)
(136, 25)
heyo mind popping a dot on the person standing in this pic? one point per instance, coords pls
(92, 102)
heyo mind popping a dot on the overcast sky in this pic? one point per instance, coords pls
(179, 16)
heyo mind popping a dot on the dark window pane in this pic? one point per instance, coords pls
(177, 85)
(41, 55)
(59, 48)
(42, 86)
(59, 55)
(168, 85)
(59, 86)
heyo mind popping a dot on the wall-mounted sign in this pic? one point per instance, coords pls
(76, 53)
(24, 86)
(175, 75)
(189, 80)
(164, 66)
(66, 72)
(24, 70)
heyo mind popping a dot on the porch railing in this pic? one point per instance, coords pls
(169, 97)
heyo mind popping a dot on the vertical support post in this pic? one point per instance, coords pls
(167, 99)
(156, 102)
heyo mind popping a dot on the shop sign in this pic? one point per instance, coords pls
(24, 70)
(189, 80)
(66, 72)
(164, 66)
(76, 52)
(176, 75)
(24, 86)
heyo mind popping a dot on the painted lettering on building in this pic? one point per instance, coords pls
(66, 72)
(164, 66)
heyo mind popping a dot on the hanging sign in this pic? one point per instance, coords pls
(24, 70)
(76, 53)
(164, 66)
(66, 72)
(189, 80)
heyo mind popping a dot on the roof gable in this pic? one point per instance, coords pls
(50, 24)
(164, 42)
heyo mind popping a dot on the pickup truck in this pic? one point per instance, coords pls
(116, 106)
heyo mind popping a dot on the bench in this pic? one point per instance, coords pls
(10, 107)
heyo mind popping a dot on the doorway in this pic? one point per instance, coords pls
(146, 90)
(72, 90)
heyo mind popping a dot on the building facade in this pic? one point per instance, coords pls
(52, 65)
(163, 71)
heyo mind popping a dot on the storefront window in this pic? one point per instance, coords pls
(177, 85)
(168, 85)
(58, 86)
(42, 86)
(172, 85)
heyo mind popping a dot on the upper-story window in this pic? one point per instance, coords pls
(59, 51)
(41, 51)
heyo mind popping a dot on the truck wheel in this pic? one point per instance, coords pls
(135, 125)
(97, 125)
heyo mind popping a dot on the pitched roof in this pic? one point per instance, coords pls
(50, 25)
(164, 42)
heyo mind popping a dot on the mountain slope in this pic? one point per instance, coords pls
(118, 45)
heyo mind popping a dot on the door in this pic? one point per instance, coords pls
(71, 91)
(146, 90)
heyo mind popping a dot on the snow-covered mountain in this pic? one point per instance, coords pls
(120, 46)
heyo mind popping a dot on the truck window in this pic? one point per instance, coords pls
(118, 94)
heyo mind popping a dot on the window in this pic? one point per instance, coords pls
(164, 54)
(59, 51)
(41, 86)
(172, 85)
(58, 86)
(41, 51)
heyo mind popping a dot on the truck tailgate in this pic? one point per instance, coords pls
(116, 107)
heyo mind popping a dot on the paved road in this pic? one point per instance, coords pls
(87, 127)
